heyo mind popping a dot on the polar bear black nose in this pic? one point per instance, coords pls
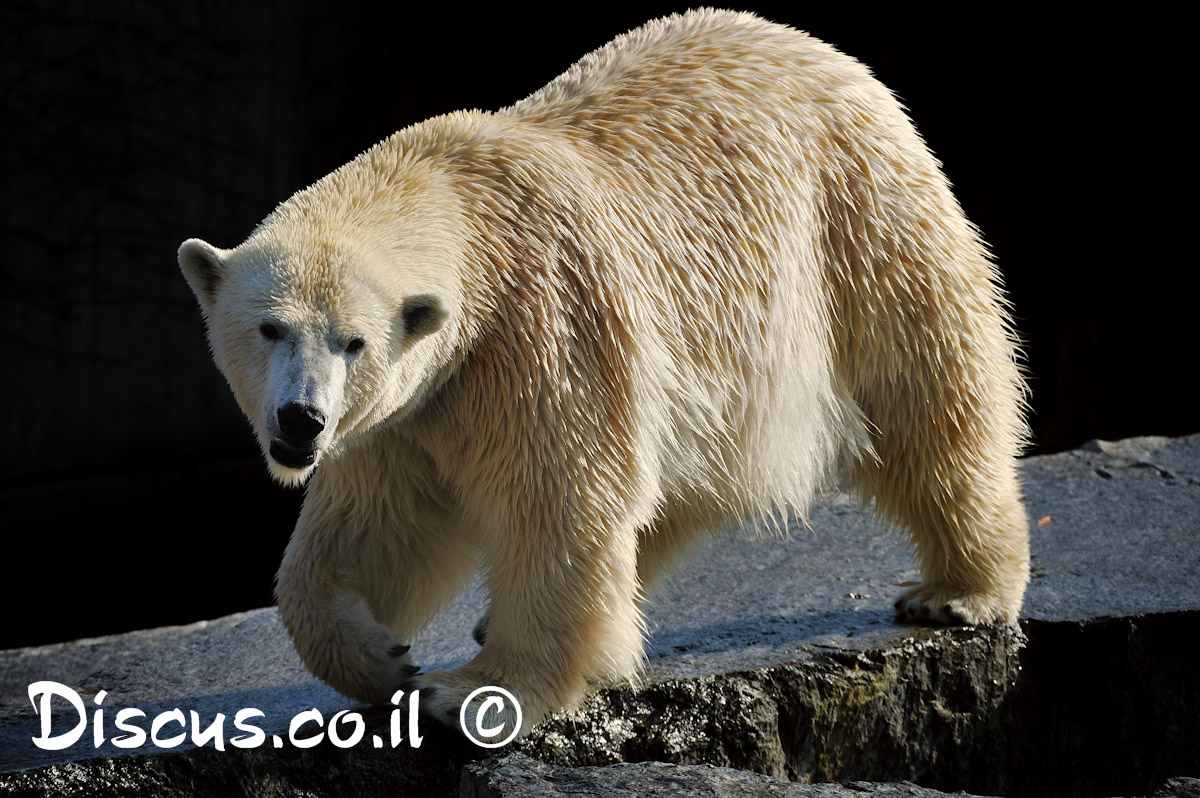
(300, 423)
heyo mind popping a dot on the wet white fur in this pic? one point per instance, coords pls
(704, 272)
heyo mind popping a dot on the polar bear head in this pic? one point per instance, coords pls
(335, 316)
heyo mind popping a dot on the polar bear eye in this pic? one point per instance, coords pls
(355, 346)
(270, 331)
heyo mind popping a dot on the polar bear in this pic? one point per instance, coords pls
(707, 270)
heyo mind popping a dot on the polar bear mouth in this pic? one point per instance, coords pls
(290, 456)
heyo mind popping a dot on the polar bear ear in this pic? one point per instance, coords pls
(202, 267)
(422, 314)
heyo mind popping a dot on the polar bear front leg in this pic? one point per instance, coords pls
(563, 617)
(334, 630)
(352, 595)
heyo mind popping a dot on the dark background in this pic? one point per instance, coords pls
(132, 493)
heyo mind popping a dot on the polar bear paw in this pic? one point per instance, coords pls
(376, 675)
(403, 667)
(951, 606)
(460, 699)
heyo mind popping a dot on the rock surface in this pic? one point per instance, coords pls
(1179, 788)
(772, 655)
(517, 776)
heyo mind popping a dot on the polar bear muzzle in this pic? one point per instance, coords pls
(299, 426)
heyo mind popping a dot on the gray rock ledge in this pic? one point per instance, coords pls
(770, 655)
